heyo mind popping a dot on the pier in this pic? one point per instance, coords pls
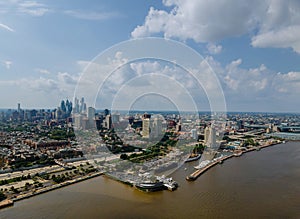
(197, 173)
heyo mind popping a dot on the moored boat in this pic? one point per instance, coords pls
(150, 186)
(193, 157)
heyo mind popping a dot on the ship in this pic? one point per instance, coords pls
(161, 183)
(169, 183)
(150, 186)
(193, 157)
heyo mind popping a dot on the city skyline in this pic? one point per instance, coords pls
(46, 45)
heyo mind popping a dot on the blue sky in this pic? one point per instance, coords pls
(253, 47)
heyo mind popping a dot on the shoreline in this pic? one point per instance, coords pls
(193, 176)
(10, 202)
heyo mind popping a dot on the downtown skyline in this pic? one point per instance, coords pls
(253, 47)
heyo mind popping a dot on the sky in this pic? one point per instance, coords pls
(252, 47)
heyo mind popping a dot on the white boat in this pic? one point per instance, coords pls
(193, 158)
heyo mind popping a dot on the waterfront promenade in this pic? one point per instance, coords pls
(9, 202)
(193, 176)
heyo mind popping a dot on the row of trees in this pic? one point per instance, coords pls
(16, 179)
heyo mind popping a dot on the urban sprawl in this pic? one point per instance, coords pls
(43, 149)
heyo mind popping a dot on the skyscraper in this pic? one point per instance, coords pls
(82, 106)
(210, 137)
(91, 117)
(206, 135)
(76, 107)
(157, 127)
(194, 134)
(108, 121)
(146, 125)
(146, 128)
(213, 138)
(91, 113)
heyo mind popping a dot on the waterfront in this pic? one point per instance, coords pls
(262, 184)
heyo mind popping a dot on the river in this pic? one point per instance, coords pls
(259, 184)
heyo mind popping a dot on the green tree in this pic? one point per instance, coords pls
(2, 196)
(123, 156)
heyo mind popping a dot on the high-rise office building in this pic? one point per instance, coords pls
(157, 127)
(210, 137)
(76, 106)
(146, 125)
(91, 117)
(194, 134)
(213, 138)
(78, 121)
(91, 113)
(206, 135)
(146, 128)
(108, 123)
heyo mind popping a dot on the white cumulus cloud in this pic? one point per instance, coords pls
(214, 49)
(271, 23)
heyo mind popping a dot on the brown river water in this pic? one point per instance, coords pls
(259, 184)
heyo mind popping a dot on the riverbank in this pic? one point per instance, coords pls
(199, 172)
(6, 203)
(222, 192)
(193, 176)
(10, 202)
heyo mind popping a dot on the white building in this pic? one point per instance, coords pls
(194, 134)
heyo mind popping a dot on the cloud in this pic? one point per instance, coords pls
(40, 84)
(42, 71)
(214, 49)
(271, 23)
(6, 27)
(282, 38)
(288, 84)
(243, 80)
(7, 64)
(61, 83)
(257, 89)
(65, 78)
(33, 8)
(199, 20)
(246, 89)
(91, 15)
(38, 92)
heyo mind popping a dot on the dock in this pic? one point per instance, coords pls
(197, 173)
